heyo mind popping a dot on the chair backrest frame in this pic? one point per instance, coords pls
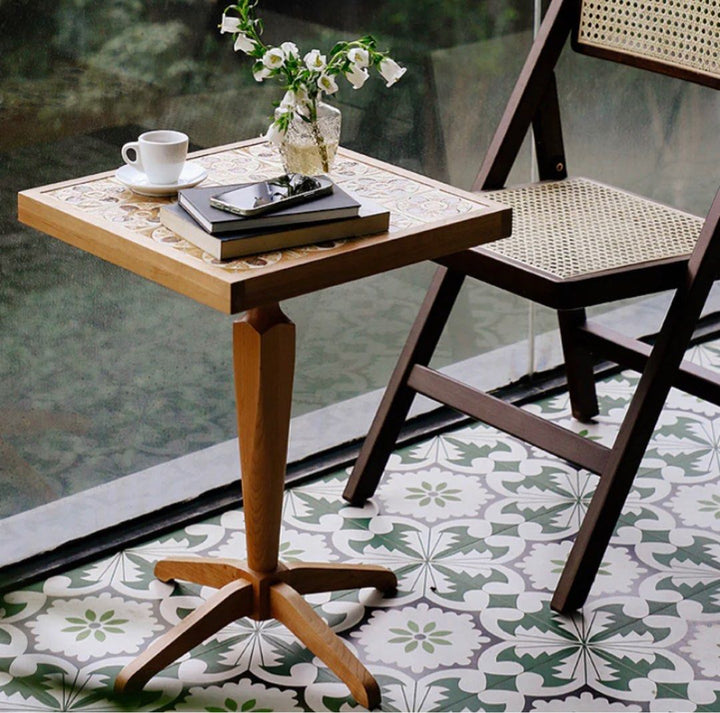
(680, 38)
(534, 99)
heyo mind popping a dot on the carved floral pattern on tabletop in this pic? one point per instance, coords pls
(411, 203)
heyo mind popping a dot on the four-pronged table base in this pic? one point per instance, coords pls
(277, 595)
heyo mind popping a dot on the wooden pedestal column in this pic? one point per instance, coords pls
(262, 587)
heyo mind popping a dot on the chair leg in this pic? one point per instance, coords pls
(642, 415)
(578, 365)
(398, 397)
(633, 437)
(608, 500)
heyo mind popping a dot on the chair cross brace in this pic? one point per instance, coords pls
(633, 354)
(506, 417)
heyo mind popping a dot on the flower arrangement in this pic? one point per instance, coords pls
(306, 79)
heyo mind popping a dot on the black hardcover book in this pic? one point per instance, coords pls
(196, 201)
(371, 218)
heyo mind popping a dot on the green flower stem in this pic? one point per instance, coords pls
(319, 138)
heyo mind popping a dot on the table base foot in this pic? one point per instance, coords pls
(225, 606)
(311, 577)
(262, 595)
(289, 608)
(209, 572)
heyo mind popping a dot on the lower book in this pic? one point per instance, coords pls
(371, 219)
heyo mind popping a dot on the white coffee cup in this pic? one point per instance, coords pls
(159, 154)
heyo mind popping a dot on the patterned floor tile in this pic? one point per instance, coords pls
(477, 527)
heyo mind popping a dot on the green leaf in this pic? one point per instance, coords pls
(90, 615)
(411, 647)
(337, 48)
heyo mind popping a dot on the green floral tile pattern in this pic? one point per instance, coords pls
(477, 527)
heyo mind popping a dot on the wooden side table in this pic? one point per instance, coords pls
(428, 220)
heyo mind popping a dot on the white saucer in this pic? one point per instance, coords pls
(138, 182)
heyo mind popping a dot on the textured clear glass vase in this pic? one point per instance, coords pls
(310, 147)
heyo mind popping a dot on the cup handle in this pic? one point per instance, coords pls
(132, 146)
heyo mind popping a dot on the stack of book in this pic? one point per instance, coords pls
(226, 235)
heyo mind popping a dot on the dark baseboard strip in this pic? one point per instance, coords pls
(214, 502)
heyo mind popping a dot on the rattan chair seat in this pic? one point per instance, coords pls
(576, 227)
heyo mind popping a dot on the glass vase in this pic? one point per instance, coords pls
(310, 146)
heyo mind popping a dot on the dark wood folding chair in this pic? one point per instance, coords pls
(578, 243)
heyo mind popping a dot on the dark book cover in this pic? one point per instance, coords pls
(196, 201)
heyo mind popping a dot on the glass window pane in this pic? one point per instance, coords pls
(104, 375)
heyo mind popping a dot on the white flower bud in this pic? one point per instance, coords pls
(357, 76)
(261, 74)
(391, 71)
(315, 61)
(289, 100)
(243, 43)
(289, 49)
(273, 58)
(327, 84)
(274, 134)
(229, 24)
(359, 56)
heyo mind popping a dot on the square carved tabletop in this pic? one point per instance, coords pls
(428, 219)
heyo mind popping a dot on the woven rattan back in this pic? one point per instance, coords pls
(676, 37)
